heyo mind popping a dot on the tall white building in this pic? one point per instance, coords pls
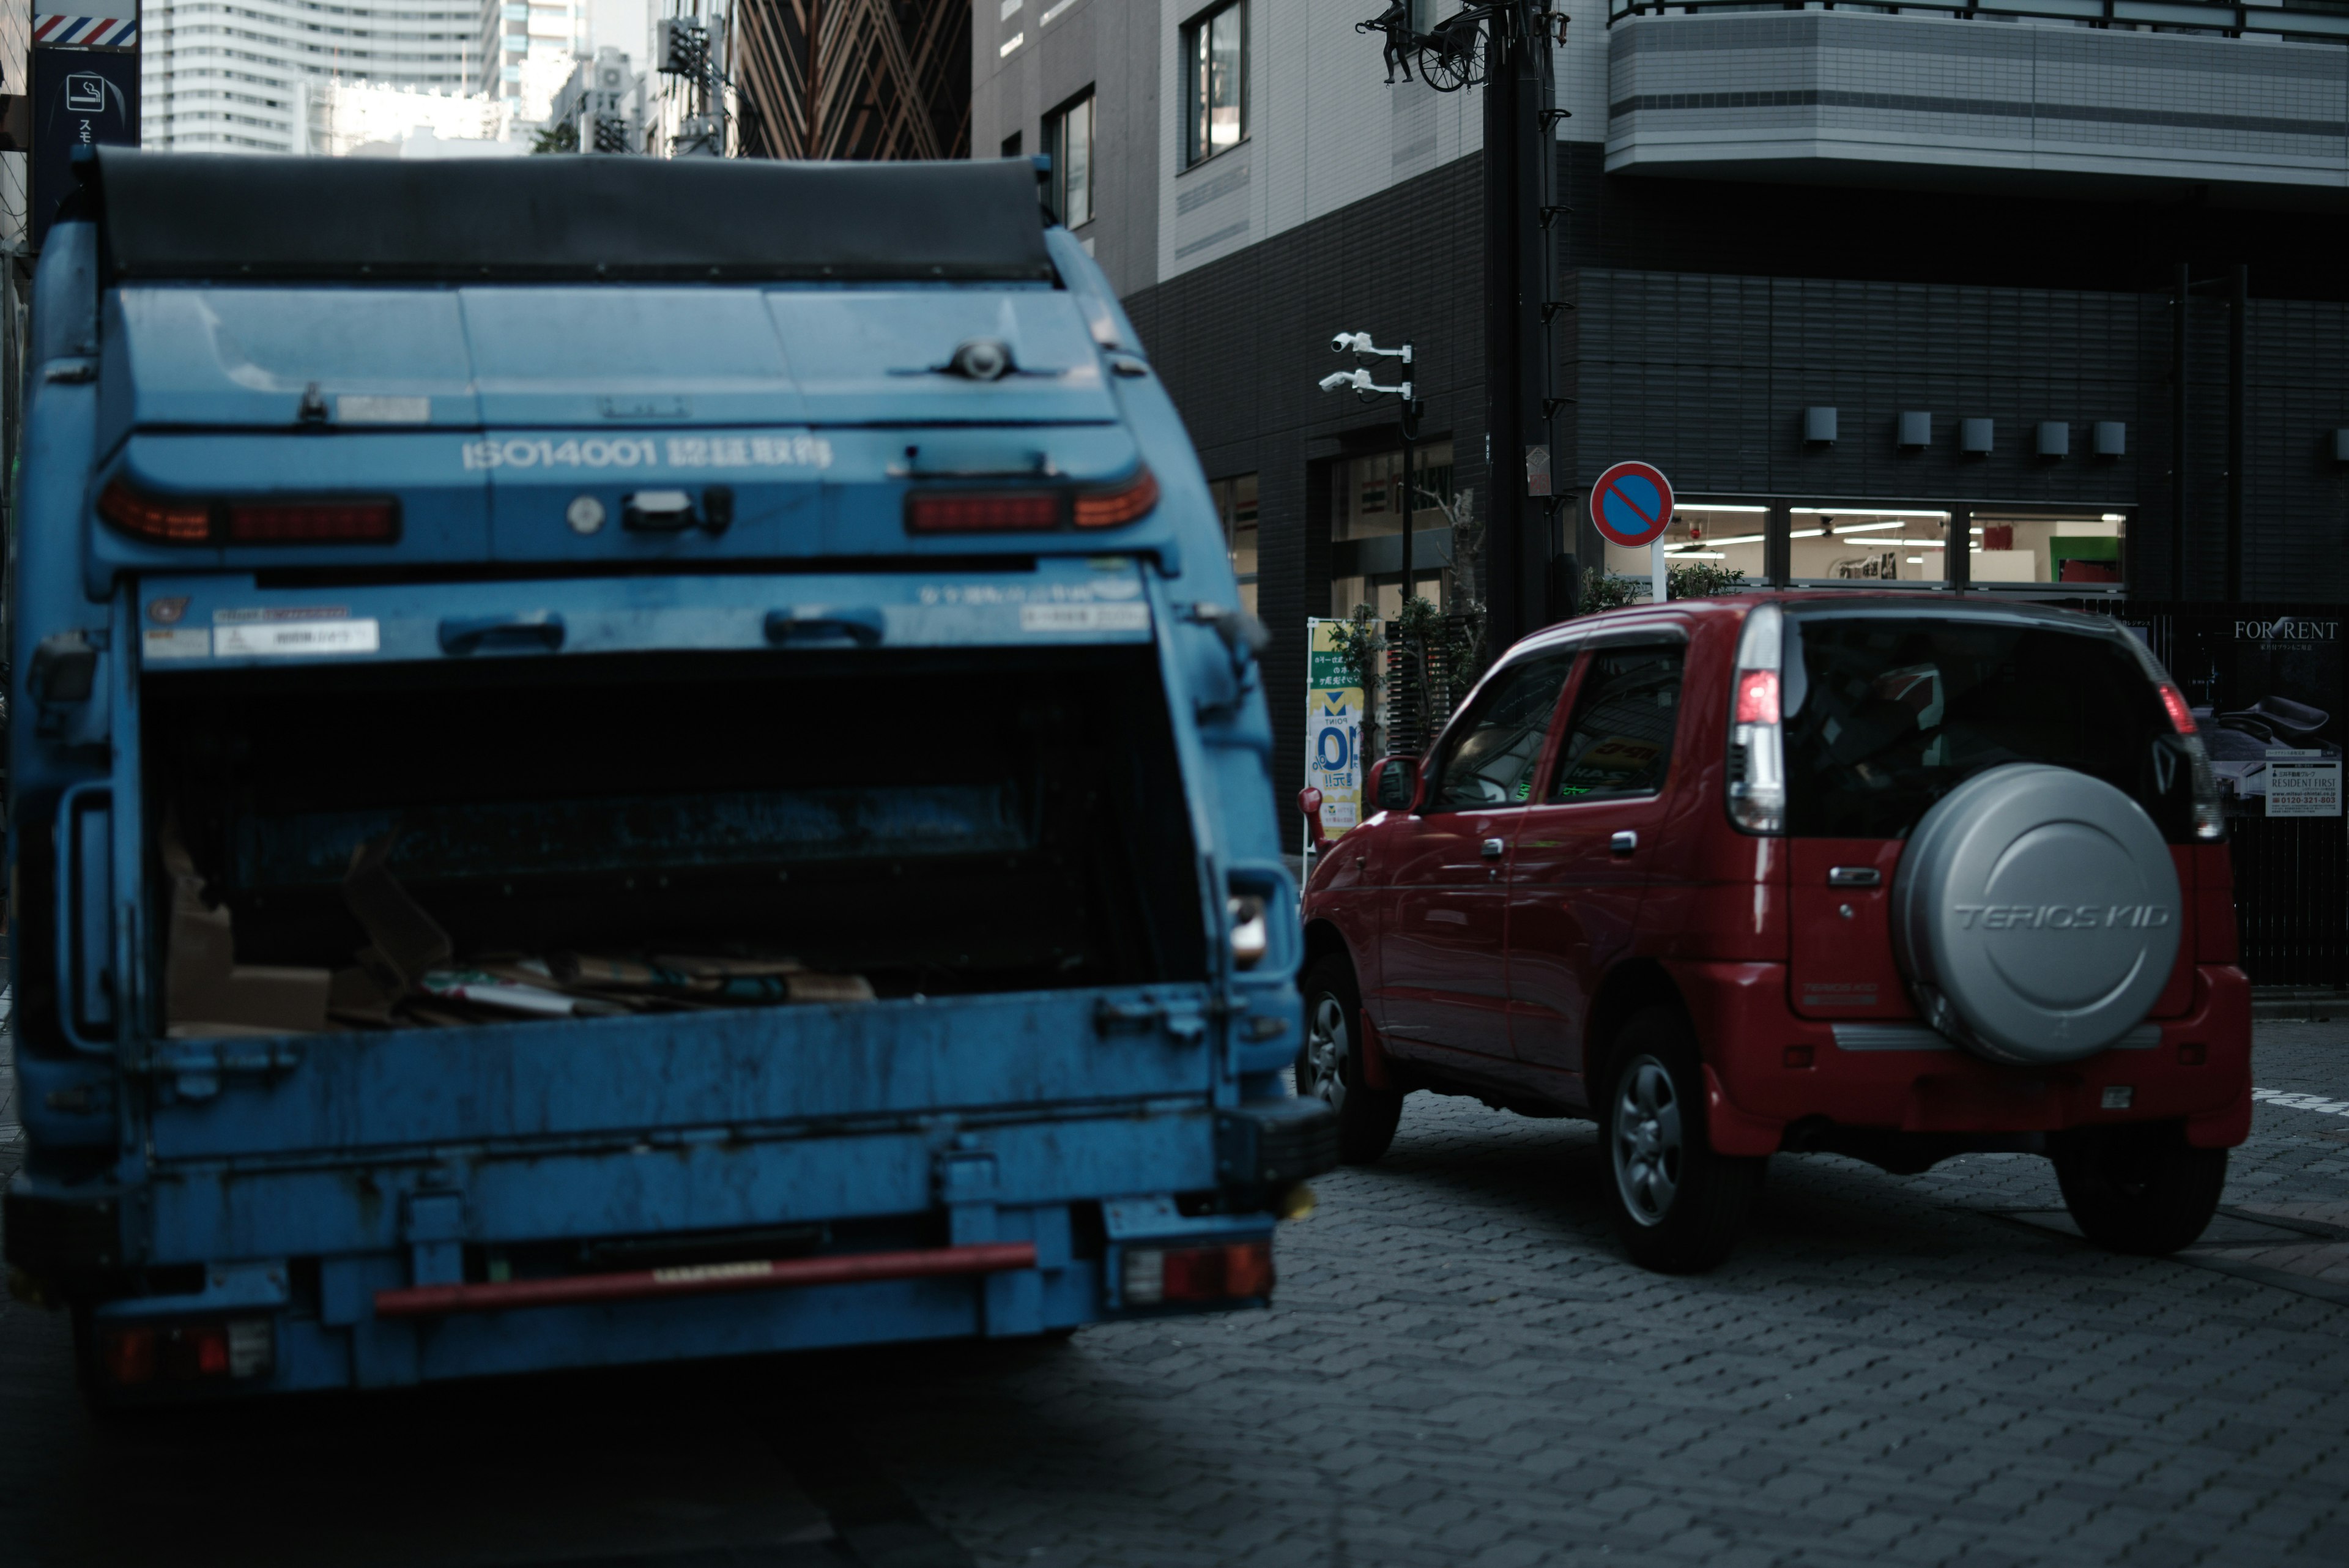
(235, 75)
(524, 50)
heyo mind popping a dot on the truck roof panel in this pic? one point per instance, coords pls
(187, 215)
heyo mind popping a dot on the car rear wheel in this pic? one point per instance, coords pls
(2142, 1190)
(1329, 1065)
(1678, 1205)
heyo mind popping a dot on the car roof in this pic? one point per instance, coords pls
(1808, 601)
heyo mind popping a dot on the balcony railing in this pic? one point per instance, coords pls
(2211, 17)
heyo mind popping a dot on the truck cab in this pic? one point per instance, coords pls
(617, 760)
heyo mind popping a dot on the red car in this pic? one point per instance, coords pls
(1883, 876)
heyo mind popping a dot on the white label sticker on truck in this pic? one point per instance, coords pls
(164, 642)
(1084, 618)
(267, 639)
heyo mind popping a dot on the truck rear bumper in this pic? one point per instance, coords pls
(1769, 1070)
(367, 1325)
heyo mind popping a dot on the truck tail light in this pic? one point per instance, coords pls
(196, 520)
(1123, 504)
(2209, 816)
(1757, 749)
(1152, 1276)
(167, 519)
(312, 521)
(983, 512)
(141, 1354)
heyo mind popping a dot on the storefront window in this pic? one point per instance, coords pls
(1727, 535)
(1236, 506)
(2082, 550)
(1366, 515)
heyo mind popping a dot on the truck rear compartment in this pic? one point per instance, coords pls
(697, 830)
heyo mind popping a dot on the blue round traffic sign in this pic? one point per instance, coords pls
(1631, 503)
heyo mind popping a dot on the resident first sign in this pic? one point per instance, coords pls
(2301, 787)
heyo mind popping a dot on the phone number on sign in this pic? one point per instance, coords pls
(630, 452)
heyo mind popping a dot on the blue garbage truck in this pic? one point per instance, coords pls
(617, 760)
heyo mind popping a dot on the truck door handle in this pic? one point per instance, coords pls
(525, 632)
(1624, 842)
(1854, 876)
(814, 626)
(1492, 849)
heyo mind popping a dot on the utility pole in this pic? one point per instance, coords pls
(1507, 49)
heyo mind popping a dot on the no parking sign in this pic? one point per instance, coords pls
(1632, 504)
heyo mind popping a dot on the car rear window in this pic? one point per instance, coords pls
(1887, 713)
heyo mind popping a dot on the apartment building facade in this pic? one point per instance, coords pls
(235, 75)
(1892, 293)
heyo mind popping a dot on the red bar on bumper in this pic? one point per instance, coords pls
(706, 1279)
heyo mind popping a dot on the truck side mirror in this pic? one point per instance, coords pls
(1394, 782)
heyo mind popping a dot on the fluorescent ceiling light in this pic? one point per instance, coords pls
(1694, 556)
(1861, 512)
(1869, 528)
(2116, 517)
(1915, 560)
(1710, 506)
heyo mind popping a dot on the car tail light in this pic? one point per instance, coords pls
(141, 1354)
(983, 512)
(2210, 814)
(196, 520)
(169, 519)
(312, 521)
(1757, 750)
(1123, 504)
(2181, 717)
(1235, 1271)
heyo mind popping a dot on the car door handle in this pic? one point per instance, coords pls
(1624, 842)
(1854, 876)
(1492, 849)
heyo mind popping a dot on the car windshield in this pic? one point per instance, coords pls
(1887, 713)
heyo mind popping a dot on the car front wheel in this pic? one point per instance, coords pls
(1678, 1205)
(1329, 1065)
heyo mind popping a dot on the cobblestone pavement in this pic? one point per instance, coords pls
(1460, 1368)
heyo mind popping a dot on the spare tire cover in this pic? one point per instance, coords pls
(2036, 914)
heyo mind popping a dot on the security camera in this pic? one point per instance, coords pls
(1339, 381)
(1357, 342)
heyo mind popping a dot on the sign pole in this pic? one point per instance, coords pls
(1631, 505)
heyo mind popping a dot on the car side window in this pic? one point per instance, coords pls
(1491, 760)
(1620, 740)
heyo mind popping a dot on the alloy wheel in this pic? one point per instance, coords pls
(1649, 1140)
(1326, 1042)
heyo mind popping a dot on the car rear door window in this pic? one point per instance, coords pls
(1491, 759)
(1885, 714)
(1621, 740)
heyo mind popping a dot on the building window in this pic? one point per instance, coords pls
(1236, 504)
(1215, 82)
(1069, 138)
(1366, 528)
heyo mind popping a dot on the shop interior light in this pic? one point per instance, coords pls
(2116, 517)
(1714, 506)
(1870, 527)
(1859, 511)
(1694, 556)
(1740, 539)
